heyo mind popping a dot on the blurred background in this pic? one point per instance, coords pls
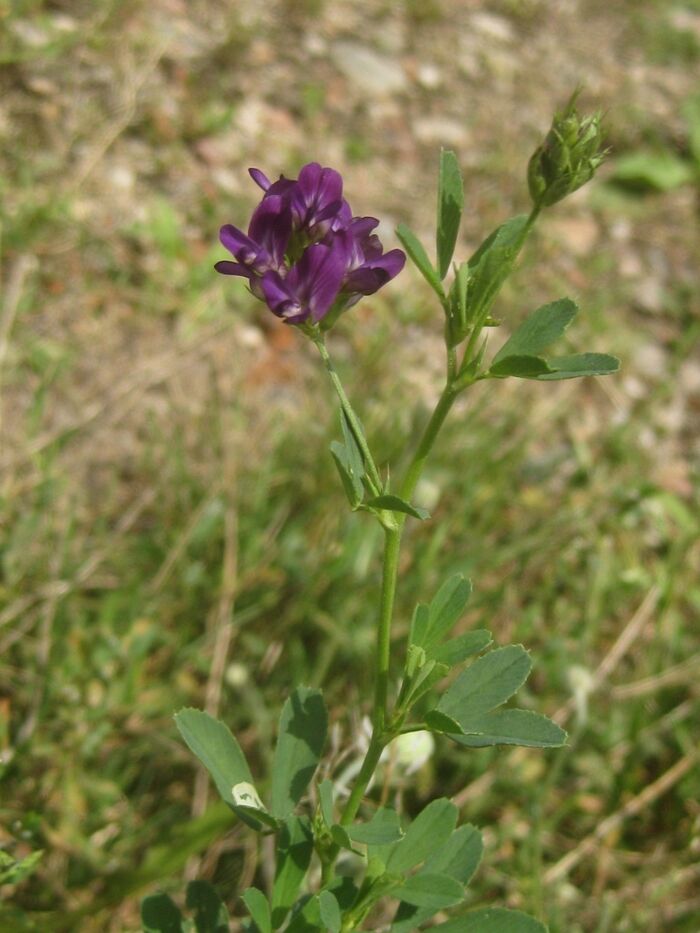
(172, 531)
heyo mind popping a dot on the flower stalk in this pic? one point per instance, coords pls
(359, 435)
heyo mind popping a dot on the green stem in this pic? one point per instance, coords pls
(376, 747)
(534, 214)
(327, 870)
(382, 731)
(413, 727)
(451, 363)
(353, 421)
(425, 445)
(381, 735)
(392, 544)
(390, 570)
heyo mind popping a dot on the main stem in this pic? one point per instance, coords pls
(381, 734)
(425, 445)
(390, 568)
(392, 544)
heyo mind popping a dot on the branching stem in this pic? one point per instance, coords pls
(383, 730)
(381, 733)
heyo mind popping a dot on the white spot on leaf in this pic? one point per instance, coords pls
(245, 795)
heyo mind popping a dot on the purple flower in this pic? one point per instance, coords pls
(368, 268)
(315, 198)
(305, 255)
(310, 287)
(264, 246)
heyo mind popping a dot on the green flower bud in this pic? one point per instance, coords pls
(571, 152)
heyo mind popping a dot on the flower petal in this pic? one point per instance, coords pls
(363, 245)
(283, 186)
(364, 281)
(271, 226)
(281, 300)
(361, 227)
(260, 178)
(392, 262)
(371, 276)
(343, 218)
(226, 267)
(317, 188)
(330, 210)
(237, 242)
(320, 273)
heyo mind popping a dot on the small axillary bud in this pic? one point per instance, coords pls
(568, 157)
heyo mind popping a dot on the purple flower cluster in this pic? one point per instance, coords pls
(305, 255)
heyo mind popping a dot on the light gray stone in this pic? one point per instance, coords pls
(369, 70)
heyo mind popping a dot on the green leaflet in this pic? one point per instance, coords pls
(210, 914)
(580, 364)
(488, 682)
(438, 721)
(557, 367)
(458, 306)
(466, 711)
(393, 503)
(419, 624)
(524, 367)
(493, 920)
(356, 460)
(349, 461)
(458, 649)
(160, 914)
(330, 911)
(450, 205)
(419, 258)
(446, 608)
(430, 624)
(539, 330)
(302, 734)
(432, 891)
(422, 682)
(428, 831)
(259, 909)
(382, 829)
(307, 917)
(459, 858)
(491, 265)
(325, 798)
(294, 850)
(511, 727)
(352, 484)
(212, 742)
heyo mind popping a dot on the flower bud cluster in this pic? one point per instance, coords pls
(568, 157)
(304, 254)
